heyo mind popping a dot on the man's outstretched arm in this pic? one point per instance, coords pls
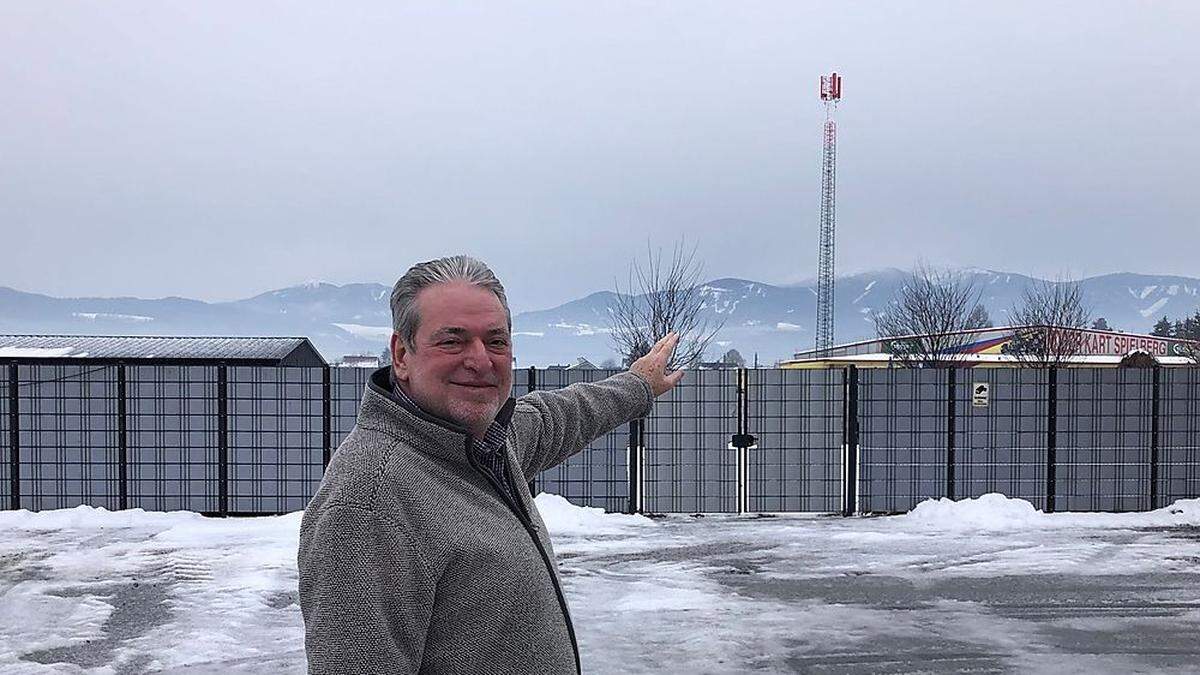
(550, 426)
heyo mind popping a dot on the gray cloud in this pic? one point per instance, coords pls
(219, 149)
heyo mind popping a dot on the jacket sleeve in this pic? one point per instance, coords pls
(365, 592)
(550, 426)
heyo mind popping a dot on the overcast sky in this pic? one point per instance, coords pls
(219, 149)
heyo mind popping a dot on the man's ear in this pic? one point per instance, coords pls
(399, 354)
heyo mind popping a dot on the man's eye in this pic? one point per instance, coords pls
(499, 342)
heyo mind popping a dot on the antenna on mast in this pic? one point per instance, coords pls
(831, 93)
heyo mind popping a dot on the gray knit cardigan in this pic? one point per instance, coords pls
(412, 561)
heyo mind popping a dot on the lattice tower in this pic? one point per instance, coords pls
(831, 93)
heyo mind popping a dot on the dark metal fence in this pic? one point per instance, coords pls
(598, 476)
(798, 419)
(255, 440)
(1001, 447)
(171, 435)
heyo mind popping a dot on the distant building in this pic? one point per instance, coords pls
(155, 350)
(997, 348)
(731, 359)
(360, 361)
(580, 364)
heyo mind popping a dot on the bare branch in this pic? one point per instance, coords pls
(1052, 314)
(657, 299)
(929, 317)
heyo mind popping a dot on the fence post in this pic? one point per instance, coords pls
(850, 440)
(1154, 435)
(950, 429)
(1051, 436)
(531, 382)
(14, 440)
(742, 441)
(635, 466)
(326, 417)
(222, 441)
(122, 443)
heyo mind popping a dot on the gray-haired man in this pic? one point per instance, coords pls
(423, 550)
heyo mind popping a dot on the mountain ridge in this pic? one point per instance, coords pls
(770, 320)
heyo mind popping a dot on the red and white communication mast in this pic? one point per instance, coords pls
(831, 93)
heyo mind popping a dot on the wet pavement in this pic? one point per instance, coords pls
(681, 595)
(795, 599)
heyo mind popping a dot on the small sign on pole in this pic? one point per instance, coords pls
(980, 393)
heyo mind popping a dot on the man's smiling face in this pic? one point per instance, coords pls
(460, 366)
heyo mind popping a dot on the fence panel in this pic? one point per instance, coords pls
(276, 426)
(5, 438)
(689, 466)
(598, 476)
(1179, 435)
(172, 427)
(797, 417)
(68, 436)
(1104, 424)
(346, 387)
(1001, 447)
(68, 431)
(902, 437)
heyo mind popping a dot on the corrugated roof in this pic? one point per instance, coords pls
(258, 349)
(882, 360)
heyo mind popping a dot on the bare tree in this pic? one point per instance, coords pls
(1051, 316)
(1193, 350)
(979, 318)
(930, 318)
(734, 358)
(1190, 331)
(662, 296)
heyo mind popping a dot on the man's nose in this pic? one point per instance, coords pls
(475, 356)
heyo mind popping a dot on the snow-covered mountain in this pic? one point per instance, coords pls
(768, 320)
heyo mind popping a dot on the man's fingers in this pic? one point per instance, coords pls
(658, 345)
(665, 343)
(660, 352)
(654, 364)
(669, 348)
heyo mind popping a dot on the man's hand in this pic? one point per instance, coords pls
(653, 366)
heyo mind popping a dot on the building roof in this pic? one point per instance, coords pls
(881, 360)
(995, 341)
(277, 351)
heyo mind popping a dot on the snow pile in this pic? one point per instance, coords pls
(1181, 512)
(564, 518)
(91, 517)
(188, 528)
(992, 511)
(262, 530)
(995, 511)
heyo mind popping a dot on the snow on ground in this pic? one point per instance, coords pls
(997, 512)
(982, 585)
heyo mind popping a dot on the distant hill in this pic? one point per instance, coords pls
(768, 320)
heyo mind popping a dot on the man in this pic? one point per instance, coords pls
(423, 550)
